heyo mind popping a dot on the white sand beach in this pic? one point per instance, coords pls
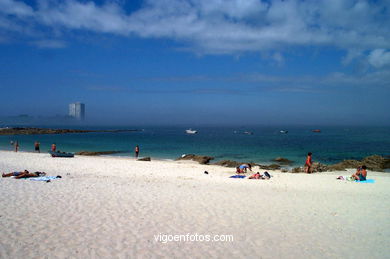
(113, 207)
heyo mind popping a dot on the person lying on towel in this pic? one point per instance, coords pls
(24, 174)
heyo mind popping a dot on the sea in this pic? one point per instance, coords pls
(259, 144)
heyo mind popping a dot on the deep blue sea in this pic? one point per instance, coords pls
(332, 145)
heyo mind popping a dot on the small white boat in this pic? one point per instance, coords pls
(190, 131)
(284, 131)
(248, 132)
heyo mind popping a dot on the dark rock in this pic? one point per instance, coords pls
(282, 161)
(228, 163)
(373, 163)
(297, 170)
(270, 167)
(144, 159)
(96, 153)
(200, 159)
(316, 167)
(34, 131)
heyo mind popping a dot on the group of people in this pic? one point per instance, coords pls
(242, 169)
(37, 146)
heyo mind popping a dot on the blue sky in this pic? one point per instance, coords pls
(198, 61)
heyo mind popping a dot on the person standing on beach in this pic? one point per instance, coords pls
(136, 151)
(309, 164)
(16, 146)
(53, 147)
(36, 146)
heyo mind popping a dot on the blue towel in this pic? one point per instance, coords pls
(366, 181)
(42, 178)
(237, 176)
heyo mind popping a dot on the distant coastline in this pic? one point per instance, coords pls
(36, 131)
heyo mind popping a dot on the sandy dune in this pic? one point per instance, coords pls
(105, 207)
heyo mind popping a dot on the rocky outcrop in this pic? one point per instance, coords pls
(34, 131)
(373, 163)
(228, 163)
(96, 153)
(270, 167)
(282, 161)
(144, 159)
(200, 159)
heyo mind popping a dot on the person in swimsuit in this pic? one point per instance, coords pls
(361, 174)
(16, 146)
(308, 164)
(136, 151)
(14, 173)
(257, 175)
(36, 146)
(243, 168)
(53, 147)
(24, 174)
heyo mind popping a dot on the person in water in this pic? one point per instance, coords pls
(243, 168)
(361, 174)
(16, 146)
(309, 164)
(136, 151)
(53, 147)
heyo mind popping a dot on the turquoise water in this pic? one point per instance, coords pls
(332, 145)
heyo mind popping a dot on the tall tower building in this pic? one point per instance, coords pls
(77, 110)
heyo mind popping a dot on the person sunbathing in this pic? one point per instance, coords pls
(24, 174)
(15, 173)
(361, 174)
(257, 175)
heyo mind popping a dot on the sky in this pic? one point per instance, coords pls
(194, 62)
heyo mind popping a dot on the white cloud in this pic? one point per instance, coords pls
(379, 58)
(221, 26)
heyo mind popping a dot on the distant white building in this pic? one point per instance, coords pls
(77, 110)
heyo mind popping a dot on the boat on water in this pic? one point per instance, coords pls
(60, 154)
(284, 131)
(191, 131)
(316, 130)
(248, 132)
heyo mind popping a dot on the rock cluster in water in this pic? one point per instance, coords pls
(34, 131)
(200, 159)
(373, 163)
(96, 153)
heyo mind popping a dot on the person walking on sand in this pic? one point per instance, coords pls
(53, 147)
(136, 151)
(16, 146)
(36, 146)
(309, 164)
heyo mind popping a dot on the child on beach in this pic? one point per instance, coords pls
(243, 168)
(53, 147)
(308, 164)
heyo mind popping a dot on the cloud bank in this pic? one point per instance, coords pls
(218, 26)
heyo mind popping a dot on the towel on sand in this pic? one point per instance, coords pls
(237, 176)
(366, 181)
(42, 178)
